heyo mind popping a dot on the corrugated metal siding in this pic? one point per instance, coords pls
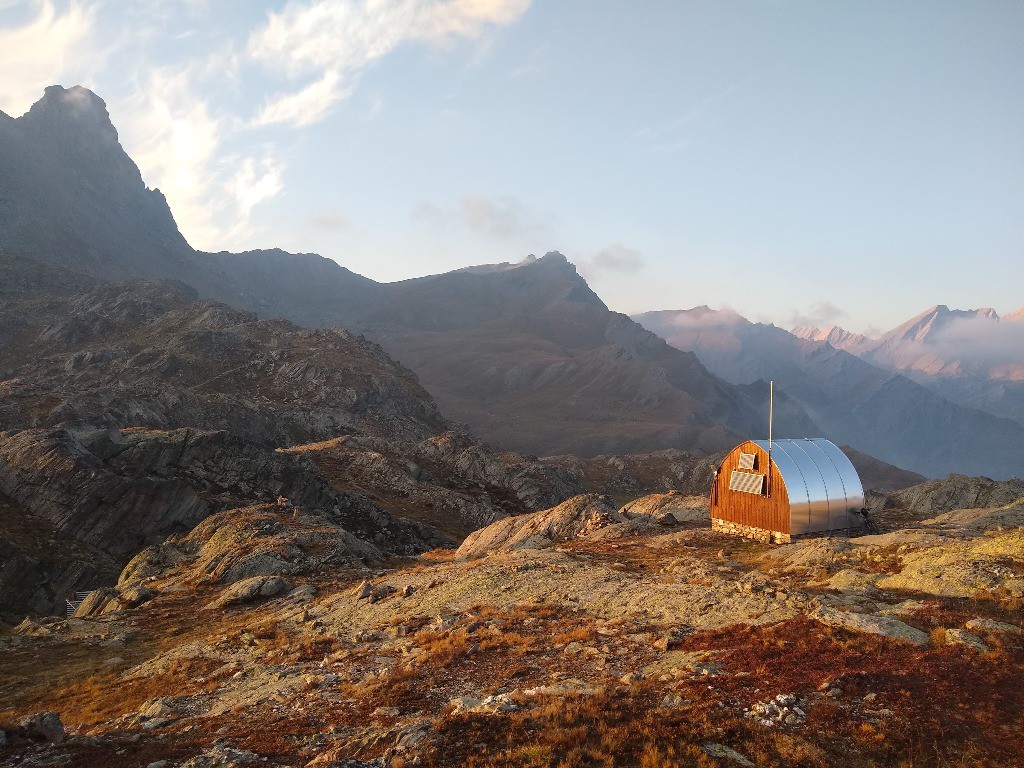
(792, 477)
(817, 469)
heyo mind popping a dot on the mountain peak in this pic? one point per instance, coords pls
(79, 200)
(838, 337)
(554, 257)
(71, 111)
(919, 328)
(810, 332)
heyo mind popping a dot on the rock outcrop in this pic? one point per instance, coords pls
(447, 480)
(680, 507)
(957, 492)
(580, 517)
(113, 492)
(150, 354)
(983, 566)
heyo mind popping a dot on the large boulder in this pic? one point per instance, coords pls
(683, 508)
(958, 492)
(579, 517)
(252, 589)
(43, 725)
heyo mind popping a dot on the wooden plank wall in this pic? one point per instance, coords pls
(749, 508)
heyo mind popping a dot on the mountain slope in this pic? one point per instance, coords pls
(532, 359)
(131, 410)
(149, 353)
(526, 354)
(884, 414)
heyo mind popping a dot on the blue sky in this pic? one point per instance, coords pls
(823, 162)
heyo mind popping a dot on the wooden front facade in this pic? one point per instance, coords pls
(770, 513)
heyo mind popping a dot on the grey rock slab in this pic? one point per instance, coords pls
(251, 589)
(885, 626)
(714, 749)
(963, 637)
(988, 625)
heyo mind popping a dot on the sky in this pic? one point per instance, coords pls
(801, 162)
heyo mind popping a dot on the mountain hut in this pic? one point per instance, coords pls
(773, 491)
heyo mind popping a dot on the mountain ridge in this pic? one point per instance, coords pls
(526, 353)
(972, 357)
(878, 411)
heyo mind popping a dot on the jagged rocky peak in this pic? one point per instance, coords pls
(556, 257)
(838, 337)
(581, 292)
(931, 320)
(76, 104)
(67, 137)
(73, 126)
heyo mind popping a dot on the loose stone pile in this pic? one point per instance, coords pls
(783, 709)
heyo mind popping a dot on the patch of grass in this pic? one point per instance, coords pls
(106, 696)
(941, 701)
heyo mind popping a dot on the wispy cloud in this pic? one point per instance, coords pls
(255, 181)
(538, 62)
(615, 259)
(333, 41)
(500, 218)
(683, 131)
(44, 50)
(177, 138)
(821, 314)
(306, 106)
(330, 221)
(505, 218)
(618, 258)
(173, 139)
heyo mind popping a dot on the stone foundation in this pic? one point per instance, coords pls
(774, 537)
(750, 532)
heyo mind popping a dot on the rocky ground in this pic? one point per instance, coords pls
(582, 635)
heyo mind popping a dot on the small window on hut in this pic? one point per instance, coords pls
(748, 461)
(747, 482)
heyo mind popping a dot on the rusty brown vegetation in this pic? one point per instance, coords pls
(556, 667)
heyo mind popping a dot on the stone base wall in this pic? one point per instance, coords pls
(774, 537)
(750, 532)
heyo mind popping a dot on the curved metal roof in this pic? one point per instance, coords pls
(824, 488)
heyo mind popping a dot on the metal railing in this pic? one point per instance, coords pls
(74, 600)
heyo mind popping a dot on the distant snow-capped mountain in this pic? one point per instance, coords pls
(853, 400)
(840, 338)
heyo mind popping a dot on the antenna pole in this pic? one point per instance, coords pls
(771, 418)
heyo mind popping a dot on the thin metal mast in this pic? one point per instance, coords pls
(771, 418)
